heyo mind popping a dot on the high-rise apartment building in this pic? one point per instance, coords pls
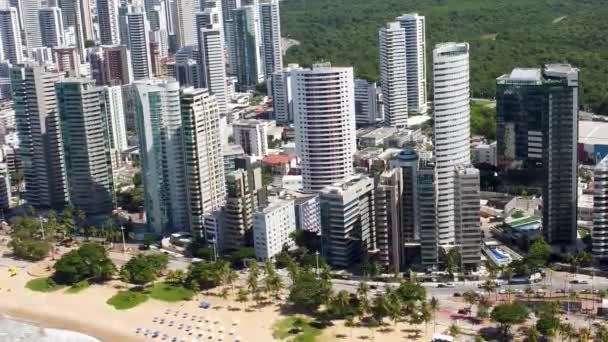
(272, 229)
(107, 16)
(40, 144)
(537, 135)
(270, 30)
(139, 44)
(451, 130)
(467, 226)
(347, 220)
(203, 155)
(387, 204)
(252, 135)
(186, 24)
(51, 26)
(212, 60)
(599, 234)
(324, 108)
(67, 60)
(427, 212)
(31, 24)
(366, 102)
(415, 49)
(115, 117)
(237, 216)
(393, 74)
(183, 168)
(281, 93)
(84, 133)
(159, 129)
(117, 65)
(246, 62)
(10, 36)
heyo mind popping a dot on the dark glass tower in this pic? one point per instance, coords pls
(537, 134)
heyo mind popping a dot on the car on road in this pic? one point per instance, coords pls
(457, 294)
(502, 291)
(446, 285)
(560, 291)
(580, 282)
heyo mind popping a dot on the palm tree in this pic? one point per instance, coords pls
(434, 306)
(252, 280)
(566, 330)
(490, 286)
(572, 296)
(601, 334)
(242, 297)
(231, 277)
(470, 298)
(362, 290)
(529, 292)
(533, 335)
(454, 331)
(584, 335)
(508, 273)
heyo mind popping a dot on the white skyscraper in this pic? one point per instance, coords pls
(139, 44)
(393, 74)
(324, 115)
(600, 210)
(212, 63)
(10, 36)
(159, 129)
(280, 87)
(116, 122)
(415, 45)
(31, 24)
(51, 26)
(181, 154)
(107, 15)
(205, 177)
(186, 23)
(270, 29)
(452, 128)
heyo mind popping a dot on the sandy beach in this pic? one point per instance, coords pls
(87, 312)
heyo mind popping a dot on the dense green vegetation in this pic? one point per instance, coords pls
(43, 285)
(142, 269)
(483, 120)
(124, 300)
(306, 332)
(89, 262)
(502, 34)
(78, 287)
(169, 293)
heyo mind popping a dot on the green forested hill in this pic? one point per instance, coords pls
(502, 33)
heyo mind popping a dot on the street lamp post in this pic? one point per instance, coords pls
(214, 250)
(41, 227)
(317, 258)
(122, 230)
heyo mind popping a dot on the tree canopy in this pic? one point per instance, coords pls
(502, 35)
(509, 314)
(142, 269)
(89, 262)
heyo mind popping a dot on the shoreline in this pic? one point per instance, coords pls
(46, 321)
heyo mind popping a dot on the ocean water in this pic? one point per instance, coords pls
(18, 331)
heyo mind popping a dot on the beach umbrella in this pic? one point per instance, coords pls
(221, 338)
(210, 328)
(217, 321)
(221, 329)
(199, 325)
(238, 339)
(232, 331)
(235, 322)
(207, 319)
